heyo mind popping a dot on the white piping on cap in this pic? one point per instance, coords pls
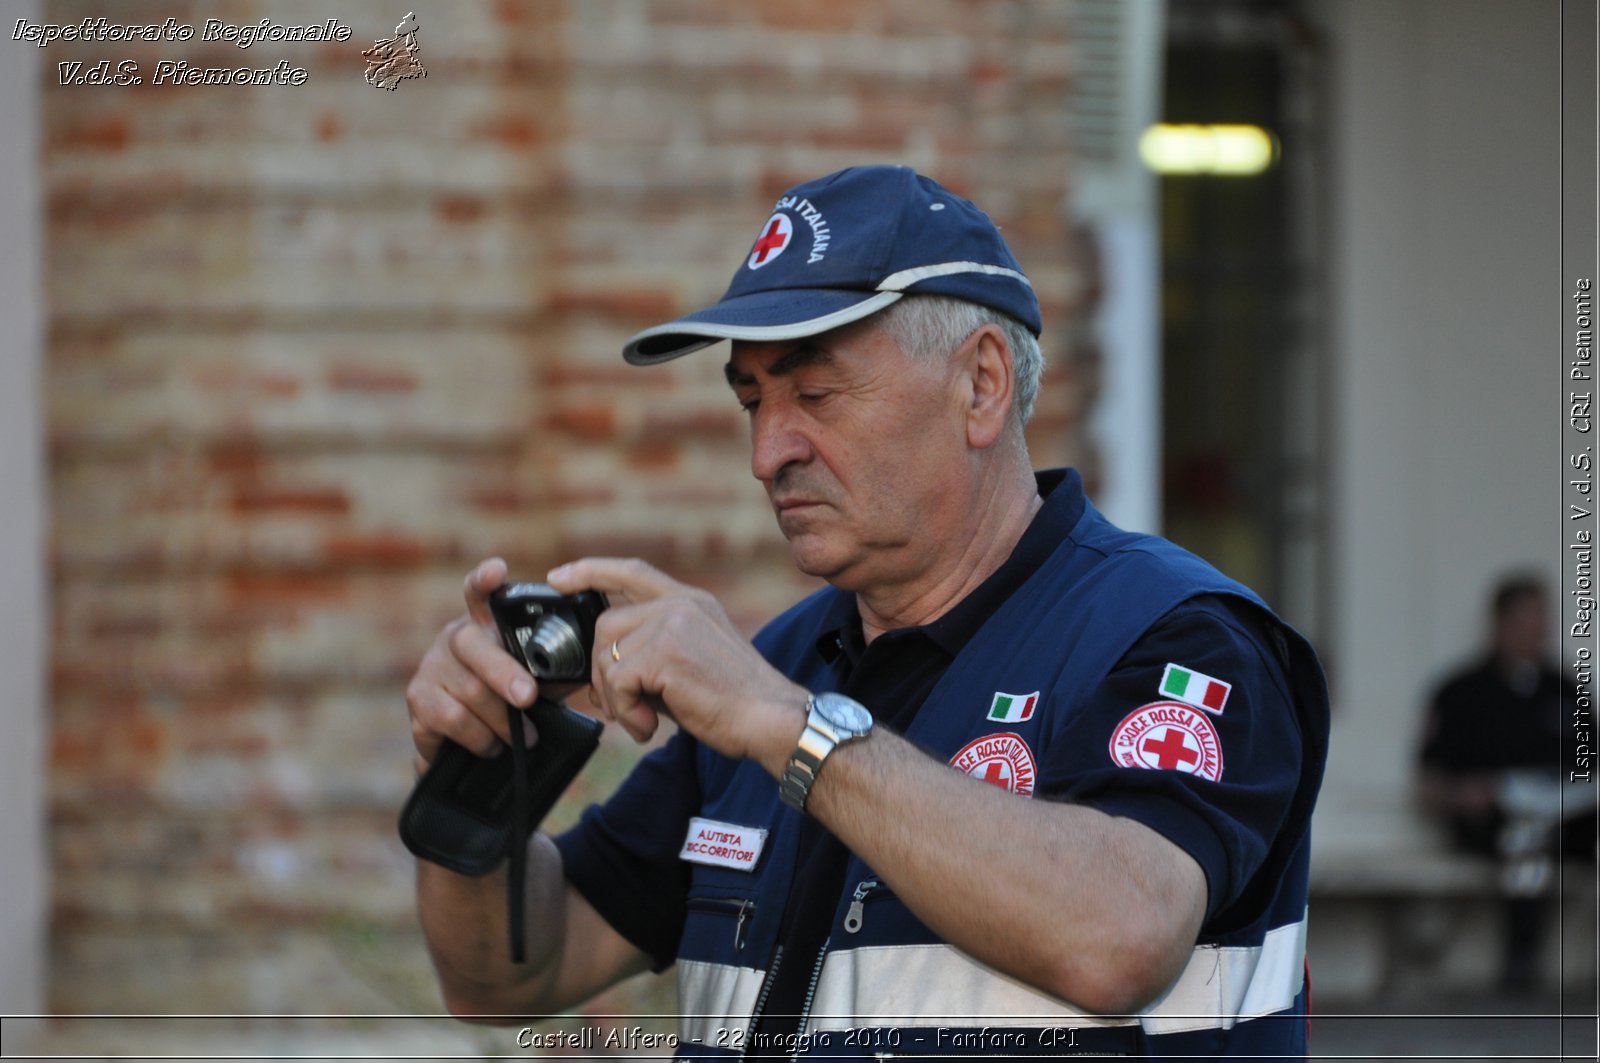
(898, 282)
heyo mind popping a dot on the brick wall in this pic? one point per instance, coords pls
(314, 350)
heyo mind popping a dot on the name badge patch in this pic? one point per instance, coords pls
(722, 844)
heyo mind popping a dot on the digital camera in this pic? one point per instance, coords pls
(551, 633)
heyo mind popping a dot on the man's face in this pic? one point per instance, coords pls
(857, 444)
(1521, 631)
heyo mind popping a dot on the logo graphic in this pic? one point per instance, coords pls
(775, 236)
(1013, 708)
(392, 61)
(1168, 736)
(1192, 688)
(1002, 760)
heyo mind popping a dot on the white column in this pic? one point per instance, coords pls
(1117, 199)
(24, 616)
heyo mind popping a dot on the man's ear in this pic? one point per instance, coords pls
(992, 383)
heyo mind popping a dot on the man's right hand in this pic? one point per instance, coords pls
(466, 679)
(460, 692)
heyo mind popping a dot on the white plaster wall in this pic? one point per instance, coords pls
(23, 614)
(1447, 302)
(1120, 204)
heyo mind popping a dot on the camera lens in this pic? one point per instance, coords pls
(554, 650)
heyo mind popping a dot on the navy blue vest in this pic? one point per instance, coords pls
(889, 985)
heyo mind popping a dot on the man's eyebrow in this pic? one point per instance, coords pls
(801, 355)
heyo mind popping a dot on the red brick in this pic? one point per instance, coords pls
(218, 377)
(297, 588)
(498, 499)
(460, 210)
(391, 550)
(244, 746)
(825, 16)
(235, 458)
(657, 549)
(217, 703)
(579, 496)
(987, 71)
(516, 12)
(702, 424)
(513, 500)
(311, 500)
(516, 131)
(629, 303)
(114, 627)
(565, 374)
(584, 422)
(276, 385)
(692, 494)
(714, 546)
(880, 137)
(330, 127)
(110, 135)
(371, 378)
(654, 457)
(774, 182)
(73, 751)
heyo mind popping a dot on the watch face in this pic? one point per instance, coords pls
(846, 715)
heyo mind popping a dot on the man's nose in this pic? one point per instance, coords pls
(775, 441)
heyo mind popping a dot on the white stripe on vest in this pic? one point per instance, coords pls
(715, 1000)
(938, 985)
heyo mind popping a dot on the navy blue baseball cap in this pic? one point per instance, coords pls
(847, 245)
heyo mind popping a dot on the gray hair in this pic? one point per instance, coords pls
(933, 325)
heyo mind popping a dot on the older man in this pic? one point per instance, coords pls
(1017, 781)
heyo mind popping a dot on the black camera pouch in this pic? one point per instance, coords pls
(470, 813)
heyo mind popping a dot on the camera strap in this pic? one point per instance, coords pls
(471, 814)
(521, 809)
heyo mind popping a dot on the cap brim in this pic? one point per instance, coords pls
(783, 314)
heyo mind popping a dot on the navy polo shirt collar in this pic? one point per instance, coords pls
(1062, 490)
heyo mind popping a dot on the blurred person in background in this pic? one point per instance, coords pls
(1489, 766)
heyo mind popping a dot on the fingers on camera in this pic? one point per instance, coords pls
(479, 583)
(502, 678)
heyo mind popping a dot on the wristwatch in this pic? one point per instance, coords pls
(831, 721)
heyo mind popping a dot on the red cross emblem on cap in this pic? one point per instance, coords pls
(775, 236)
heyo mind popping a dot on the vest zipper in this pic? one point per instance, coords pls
(811, 993)
(761, 1002)
(740, 908)
(855, 916)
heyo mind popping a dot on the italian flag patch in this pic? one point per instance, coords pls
(1192, 688)
(1013, 708)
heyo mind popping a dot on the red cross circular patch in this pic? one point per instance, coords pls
(776, 234)
(1168, 736)
(1002, 760)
